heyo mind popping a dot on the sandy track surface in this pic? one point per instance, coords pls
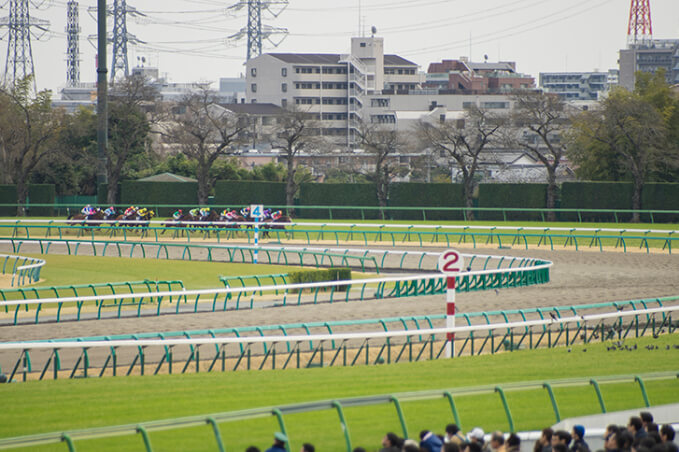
(578, 277)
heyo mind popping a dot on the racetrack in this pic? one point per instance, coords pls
(577, 277)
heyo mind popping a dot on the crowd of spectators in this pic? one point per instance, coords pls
(641, 434)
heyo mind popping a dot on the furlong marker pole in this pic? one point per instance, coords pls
(450, 316)
(254, 259)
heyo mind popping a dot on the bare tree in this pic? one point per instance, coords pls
(204, 131)
(540, 126)
(29, 128)
(295, 131)
(464, 140)
(382, 141)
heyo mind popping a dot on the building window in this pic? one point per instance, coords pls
(284, 87)
(363, 44)
(253, 87)
(284, 103)
(253, 71)
(284, 72)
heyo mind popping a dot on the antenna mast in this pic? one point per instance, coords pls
(640, 28)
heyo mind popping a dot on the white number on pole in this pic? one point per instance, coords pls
(451, 262)
(256, 211)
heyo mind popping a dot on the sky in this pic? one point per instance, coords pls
(188, 40)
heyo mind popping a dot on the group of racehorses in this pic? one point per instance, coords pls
(198, 217)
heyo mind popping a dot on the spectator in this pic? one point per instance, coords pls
(279, 440)
(451, 447)
(651, 427)
(561, 437)
(624, 439)
(513, 443)
(453, 434)
(497, 442)
(646, 418)
(252, 449)
(476, 436)
(578, 439)
(544, 444)
(558, 447)
(359, 449)
(610, 440)
(391, 443)
(306, 447)
(636, 427)
(430, 442)
(471, 447)
(667, 433)
(410, 445)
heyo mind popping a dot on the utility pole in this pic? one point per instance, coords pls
(255, 32)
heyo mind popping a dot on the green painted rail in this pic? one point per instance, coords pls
(314, 233)
(251, 349)
(24, 270)
(337, 405)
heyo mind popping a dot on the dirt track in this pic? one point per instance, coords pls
(578, 277)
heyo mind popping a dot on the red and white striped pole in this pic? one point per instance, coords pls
(450, 264)
(450, 316)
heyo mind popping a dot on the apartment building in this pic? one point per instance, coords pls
(465, 77)
(578, 85)
(649, 56)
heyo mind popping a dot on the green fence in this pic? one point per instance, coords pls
(24, 270)
(338, 406)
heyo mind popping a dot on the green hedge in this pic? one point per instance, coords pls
(425, 195)
(338, 195)
(150, 194)
(243, 193)
(41, 194)
(8, 195)
(596, 195)
(660, 196)
(531, 196)
(331, 274)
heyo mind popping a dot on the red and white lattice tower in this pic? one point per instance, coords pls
(640, 28)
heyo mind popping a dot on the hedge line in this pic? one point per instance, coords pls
(238, 193)
(529, 196)
(177, 194)
(337, 195)
(330, 274)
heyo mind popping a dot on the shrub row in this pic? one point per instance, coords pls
(330, 274)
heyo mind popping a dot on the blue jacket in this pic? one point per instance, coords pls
(431, 443)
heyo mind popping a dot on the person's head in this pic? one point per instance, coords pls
(472, 446)
(497, 440)
(578, 432)
(452, 429)
(561, 437)
(476, 435)
(280, 439)
(513, 441)
(391, 439)
(646, 417)
(667, 433)
(635, 424)
(559, 447)
(410, 445)
(652, 427)
(450, 447)
(306, 447)
(252, 449)
(546, 437)
(624, 439)
(359, 449)
(610, 441)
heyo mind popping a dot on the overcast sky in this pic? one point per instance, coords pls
(187, 39)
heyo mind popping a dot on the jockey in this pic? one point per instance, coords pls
(205, 212)
(276, 215)
(110, 211)
(143, 213)
(195, 212)
(267, 214)
(245, 212)
(88, 210)
(177, 215)
(130, 211)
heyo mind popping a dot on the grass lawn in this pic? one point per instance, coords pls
(45, 406)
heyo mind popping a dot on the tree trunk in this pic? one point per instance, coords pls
(112, 189)
(468, 188)
(636, 198)
(290, 187)
(551, 193)
(203, 184)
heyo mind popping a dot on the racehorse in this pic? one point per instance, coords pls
(278, 224)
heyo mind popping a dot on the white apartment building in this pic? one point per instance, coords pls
(336, 88)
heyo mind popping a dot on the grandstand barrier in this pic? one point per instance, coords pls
(170, 353)
(24, 270)
(337, 405)
(507, 272)
(313, 233)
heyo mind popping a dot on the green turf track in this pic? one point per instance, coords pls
(73, 404)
